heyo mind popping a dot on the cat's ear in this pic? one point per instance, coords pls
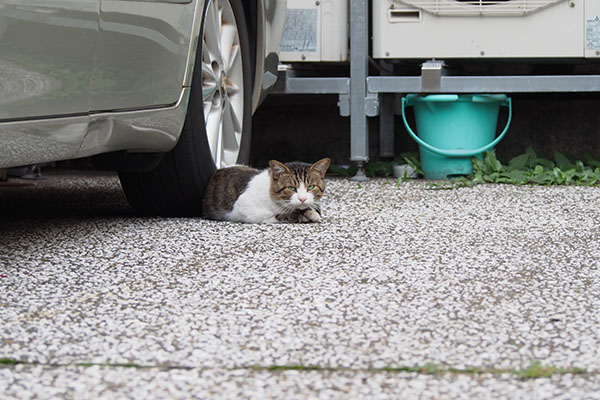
(321, 166)
(277, 169)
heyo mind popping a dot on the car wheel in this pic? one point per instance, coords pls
(217, 128)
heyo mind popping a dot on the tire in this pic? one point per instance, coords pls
(217, 127)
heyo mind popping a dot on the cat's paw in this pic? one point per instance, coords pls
(310, 215)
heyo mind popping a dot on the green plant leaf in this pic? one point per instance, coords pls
(588, 157)
(519, 162)
(379, 168)
(415, 164)
(532, 160)
(492, 162)
(517, 176)
(343, 171)
(559, 175)
(563, 161)
(479, 166)
(538, 170)
(545, 163)
(594, 164)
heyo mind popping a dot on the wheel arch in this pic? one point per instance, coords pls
(265, 20)
(270, 19)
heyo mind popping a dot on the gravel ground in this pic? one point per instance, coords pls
(491, 278)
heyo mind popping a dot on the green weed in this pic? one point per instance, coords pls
(536, 371)
(528, 168)
(524, 169)
(9, 361)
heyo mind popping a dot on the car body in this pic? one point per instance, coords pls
(80, 78)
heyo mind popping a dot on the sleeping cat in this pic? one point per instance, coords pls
(281, 193)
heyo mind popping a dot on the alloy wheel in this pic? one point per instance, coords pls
(222, 83)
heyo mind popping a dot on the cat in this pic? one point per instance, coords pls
(281, 193)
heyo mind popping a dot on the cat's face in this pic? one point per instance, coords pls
(298, 185)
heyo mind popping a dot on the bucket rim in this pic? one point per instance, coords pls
(448, 98)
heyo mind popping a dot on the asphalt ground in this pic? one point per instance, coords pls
(400, 292)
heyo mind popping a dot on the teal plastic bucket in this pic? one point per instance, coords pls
(453, 129)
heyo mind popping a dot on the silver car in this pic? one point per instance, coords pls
(162, 91)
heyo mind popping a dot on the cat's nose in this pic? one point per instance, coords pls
(302, 199)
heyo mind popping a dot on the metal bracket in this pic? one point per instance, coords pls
(344, 104)
(431, 75)
(372, 104)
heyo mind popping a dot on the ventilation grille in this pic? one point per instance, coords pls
(480, 7)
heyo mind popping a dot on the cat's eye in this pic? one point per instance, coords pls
(311, 187)
(291, 188)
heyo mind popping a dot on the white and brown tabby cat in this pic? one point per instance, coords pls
(281, 193)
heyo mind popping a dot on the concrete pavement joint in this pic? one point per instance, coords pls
(534, 371)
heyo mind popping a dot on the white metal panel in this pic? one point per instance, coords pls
(479, 7)
(300, 41)
(592, 28)
(556, 30)
(315, 31)
(334, 30)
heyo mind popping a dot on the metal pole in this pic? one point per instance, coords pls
(386, 125)
(359, 47)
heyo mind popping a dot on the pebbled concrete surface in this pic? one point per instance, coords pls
(491, 277)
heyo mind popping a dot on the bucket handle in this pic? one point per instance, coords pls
(457, 153)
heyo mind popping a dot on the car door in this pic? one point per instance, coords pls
(46, 57)
(143, 48)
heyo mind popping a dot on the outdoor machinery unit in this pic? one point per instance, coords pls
(443, 29)
(315, 31)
